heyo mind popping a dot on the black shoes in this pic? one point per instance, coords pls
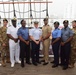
(35, 64)
(42, 61)
(65, 67)
(55, 65)
(22, 65)
(45, 63)
(28, 63)
(61, 64)
(39, 62)
(52, 62)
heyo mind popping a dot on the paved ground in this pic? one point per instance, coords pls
(35, 70)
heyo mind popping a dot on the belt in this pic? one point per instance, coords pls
(26, 40)
(37, 40)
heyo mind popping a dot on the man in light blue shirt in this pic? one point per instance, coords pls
(35, 36)
(56, 35)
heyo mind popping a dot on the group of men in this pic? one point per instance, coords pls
(61, 44)
(15, 43)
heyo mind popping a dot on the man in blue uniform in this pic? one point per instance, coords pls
(56, 35)
(23, 34)
(66, 37)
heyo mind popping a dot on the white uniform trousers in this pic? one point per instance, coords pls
(14, 51)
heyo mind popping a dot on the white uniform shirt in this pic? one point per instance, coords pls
(36, 33)
(12, 31)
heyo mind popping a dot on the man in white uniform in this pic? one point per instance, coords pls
(13, 43)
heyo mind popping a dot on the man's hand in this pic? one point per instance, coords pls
(52, 43)
(16, 40)
(62, 43)
(4, 45)
(27, 42)
(43, 39)
(37, 42)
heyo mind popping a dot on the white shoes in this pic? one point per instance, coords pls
(19, 62)
(0, 64)
(12, 65)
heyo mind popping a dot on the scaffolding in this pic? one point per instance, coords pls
(29, 10)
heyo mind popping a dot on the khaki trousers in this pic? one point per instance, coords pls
(46, 45)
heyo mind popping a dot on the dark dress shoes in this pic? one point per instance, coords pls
(45, 63)
(28, 63)
(39, 62)
(42, 61)
(65, 67)
(22, 65)
(52, 62)
(35, 64)
(55, 65)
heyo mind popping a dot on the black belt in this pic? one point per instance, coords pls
(37, 40)
(26, 40)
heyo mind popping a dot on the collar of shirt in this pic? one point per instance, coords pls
(13, 26)
(66, 28)
(36, 28)
(56, 29)
(23, 27)
(46, 25)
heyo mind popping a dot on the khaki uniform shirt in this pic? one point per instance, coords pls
(45, 30)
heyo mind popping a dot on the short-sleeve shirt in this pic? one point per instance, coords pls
(36, 33)
(56, 33)
(23, 32)
(45, 30)
(66, 34)
(13, 31)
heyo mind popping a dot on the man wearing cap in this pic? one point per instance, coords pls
(13, 42)
(66, 37)
(56, 36)
(35, 36)
(4, 43)
(46, 32)
(23, 34)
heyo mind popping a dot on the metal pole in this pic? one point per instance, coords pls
(47, 9)
(14, 9)
(31, 12)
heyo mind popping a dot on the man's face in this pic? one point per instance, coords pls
(46, 22)
(23, 23)
(73, 24)
(5, 23)
(36, 25)
(65, 24)
(14, 23)
(56, 25)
